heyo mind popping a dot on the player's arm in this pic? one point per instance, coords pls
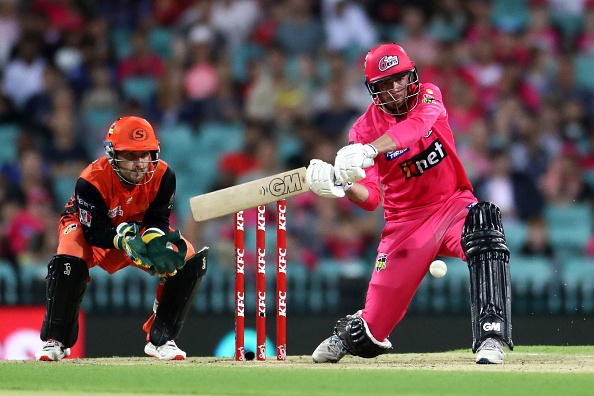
(322, 180)
(159, 211)
(366, 192)
(92, 212)
(351, 160)
(418, 122)
(157, 237)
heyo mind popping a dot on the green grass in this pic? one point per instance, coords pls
(352, 377)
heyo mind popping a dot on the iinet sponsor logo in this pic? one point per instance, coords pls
(427, 159)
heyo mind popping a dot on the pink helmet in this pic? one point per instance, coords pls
(385, 62)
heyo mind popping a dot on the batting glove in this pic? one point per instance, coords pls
(321, 180)
(351, 160)
(165, 260)
(128, 239)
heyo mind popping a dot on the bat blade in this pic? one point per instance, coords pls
(249, 195)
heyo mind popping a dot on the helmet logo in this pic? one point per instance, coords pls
(387, 62)
(111, 128)
(139, 135)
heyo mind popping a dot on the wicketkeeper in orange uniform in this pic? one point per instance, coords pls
(119, 216)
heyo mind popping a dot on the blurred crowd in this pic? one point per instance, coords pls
(517, 79)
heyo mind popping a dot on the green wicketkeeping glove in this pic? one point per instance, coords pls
(164, 259)
(128, 239)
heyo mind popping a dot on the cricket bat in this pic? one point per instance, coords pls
(249, 195)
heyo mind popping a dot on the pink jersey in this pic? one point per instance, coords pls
(424, 171)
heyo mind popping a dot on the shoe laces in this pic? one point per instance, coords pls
(493, 345)
(49, 344)
(335, 345)
(170, 344)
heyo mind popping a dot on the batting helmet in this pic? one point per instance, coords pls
(131, 134)
(386, 62)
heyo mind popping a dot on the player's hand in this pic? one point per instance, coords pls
(321, 180)
(128, 239)
(165, 260)
(351, 160)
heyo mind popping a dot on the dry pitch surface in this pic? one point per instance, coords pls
(516, 361)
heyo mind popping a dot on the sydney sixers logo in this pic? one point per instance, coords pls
(387, 62)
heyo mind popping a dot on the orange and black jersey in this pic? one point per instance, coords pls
(101, 202)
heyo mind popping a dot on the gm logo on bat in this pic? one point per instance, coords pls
(282, 186)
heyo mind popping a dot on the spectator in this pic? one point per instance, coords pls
(9, 29)
(585, 39)
(448, 20)
(141, 62)
(40, 105)
(485, 69)
(299, 30)
(540, 32)
(334, 115)
(20, 227)
(416, 38)
(563, 184)
(273, 96)
(235, 20)
(528, 152)
(234, 165)
(537, 242)
(66, 154)
(23, 76)
(473, 150)
(201, 81)
(101, 95)
(563, 86)
(347, 25)
(168, 105)
(514, 192)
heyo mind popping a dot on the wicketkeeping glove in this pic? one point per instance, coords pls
(321, 180)
(164, 259)
(128, 239)
(350, 161)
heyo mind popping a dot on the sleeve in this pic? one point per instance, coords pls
(371, 179)
(158, 212)
(92, 212)
(420, 120)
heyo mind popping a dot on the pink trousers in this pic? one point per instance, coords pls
(405, 252)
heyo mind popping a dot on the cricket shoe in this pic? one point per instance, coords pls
(167, 351)
(52, 351)
(490, 352)
(331, 350)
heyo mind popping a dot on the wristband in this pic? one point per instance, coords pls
(370, 151)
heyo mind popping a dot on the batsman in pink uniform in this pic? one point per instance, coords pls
(403, 148)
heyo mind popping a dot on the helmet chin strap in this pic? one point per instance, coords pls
(123, 178)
